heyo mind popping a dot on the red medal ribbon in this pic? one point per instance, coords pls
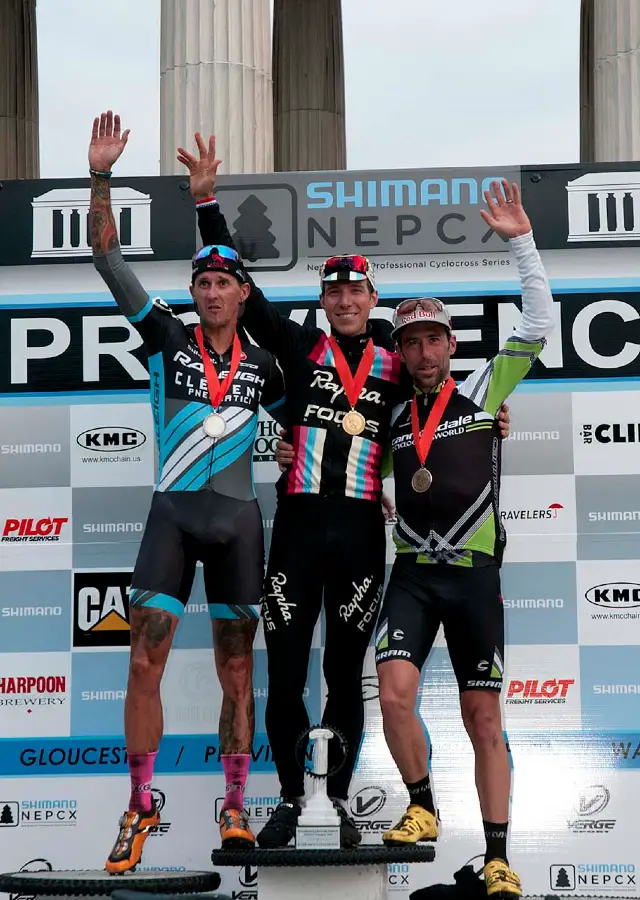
(423, 440)
(352, 384)
(218, 391)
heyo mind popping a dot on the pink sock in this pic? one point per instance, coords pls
(236, 769)
(141, 772)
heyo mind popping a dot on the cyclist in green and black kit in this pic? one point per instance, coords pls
(450, 541)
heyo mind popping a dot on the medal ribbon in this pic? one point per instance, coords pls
(218, 391)
(424, 439)
(352, 384)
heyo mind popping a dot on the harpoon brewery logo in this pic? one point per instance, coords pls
(33, 690)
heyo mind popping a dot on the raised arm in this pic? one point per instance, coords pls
(260, 318)
(107, 144)
(490, 385)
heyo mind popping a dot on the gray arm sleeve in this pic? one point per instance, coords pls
(127, 291)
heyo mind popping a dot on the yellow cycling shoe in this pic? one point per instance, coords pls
(417, 824)
(501, 882)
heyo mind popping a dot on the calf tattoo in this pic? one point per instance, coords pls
(233, 645)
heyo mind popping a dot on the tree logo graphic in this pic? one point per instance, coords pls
(563, 877)
(253, 236)
(9, 816)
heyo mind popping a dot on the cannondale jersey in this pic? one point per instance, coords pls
(189, 459)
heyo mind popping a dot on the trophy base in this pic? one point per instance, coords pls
(318, 837)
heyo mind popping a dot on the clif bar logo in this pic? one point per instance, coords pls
(554, 690)
(33, 530)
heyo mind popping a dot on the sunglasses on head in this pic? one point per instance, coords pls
(353, 263)
(216, 250)
(426, 303)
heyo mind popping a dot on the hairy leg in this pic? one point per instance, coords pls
(233, 648)
(152, 633)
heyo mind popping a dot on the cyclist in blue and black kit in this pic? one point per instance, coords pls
(207, 384)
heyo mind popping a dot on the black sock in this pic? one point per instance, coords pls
(496, 837)
(420, 793)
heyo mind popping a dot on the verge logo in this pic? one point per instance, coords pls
(101, 609)
(161, 799)
(366, 804)
(617, 594)
(553, 690)
(592, 801)
(111, 440)
(248, 879)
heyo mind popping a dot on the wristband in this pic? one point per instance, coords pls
(208, 201)
(100, 174)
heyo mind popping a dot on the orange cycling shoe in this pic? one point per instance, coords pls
(234, 829)
(134, 830)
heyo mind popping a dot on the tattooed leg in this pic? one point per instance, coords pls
(152, 633)
(233, 646)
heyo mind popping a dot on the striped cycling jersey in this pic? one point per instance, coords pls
(190, 460)
(328, 461)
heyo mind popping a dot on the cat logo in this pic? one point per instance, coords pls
(101, 609)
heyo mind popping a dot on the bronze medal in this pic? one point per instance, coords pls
(422, 481)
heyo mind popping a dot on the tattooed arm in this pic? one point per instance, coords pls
(107, 143)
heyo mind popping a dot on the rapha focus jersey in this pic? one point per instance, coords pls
(190, 460)
(328, 461)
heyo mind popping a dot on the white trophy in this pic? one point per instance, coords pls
(319, 823)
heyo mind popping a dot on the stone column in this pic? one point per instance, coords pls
(610, 80)
(215, 77)
(308, 76)
(19, 144)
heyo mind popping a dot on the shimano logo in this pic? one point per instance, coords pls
(22, 449)
(530, 603)
(21, 611)
(534, 436)
(113, 527)
(631, 515)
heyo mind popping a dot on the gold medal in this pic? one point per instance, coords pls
(354, 422)
(422, 481)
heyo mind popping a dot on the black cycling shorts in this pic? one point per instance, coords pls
(184, 527)
(465, 600)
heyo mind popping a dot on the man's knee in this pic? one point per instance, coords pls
(398, 690)
(482, 717)
(145, 674)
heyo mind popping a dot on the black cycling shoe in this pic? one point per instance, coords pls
(281, 827)
(349, 834)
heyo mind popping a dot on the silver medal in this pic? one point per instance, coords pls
(214, 425)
